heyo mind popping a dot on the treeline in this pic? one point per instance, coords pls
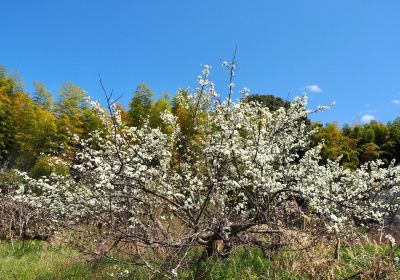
(359, 144)
(354, 145)
(31, 128)
(35, 129)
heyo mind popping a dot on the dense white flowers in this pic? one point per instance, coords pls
(245, 169)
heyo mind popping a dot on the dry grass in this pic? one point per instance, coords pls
(365, 259)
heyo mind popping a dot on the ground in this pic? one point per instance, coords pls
(43, 260)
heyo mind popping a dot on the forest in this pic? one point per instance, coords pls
(35, 127)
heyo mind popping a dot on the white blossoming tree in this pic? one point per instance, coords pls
(247, 175)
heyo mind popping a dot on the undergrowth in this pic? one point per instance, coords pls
(41, 260)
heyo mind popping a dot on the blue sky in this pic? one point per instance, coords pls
(343, 51)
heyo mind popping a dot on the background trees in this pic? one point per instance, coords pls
(268, 100)
(42, 97)
(31, 125)
(140, 105)
(7, 89)
(70, 110)
(337, 144)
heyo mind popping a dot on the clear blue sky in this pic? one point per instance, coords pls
(348, 50)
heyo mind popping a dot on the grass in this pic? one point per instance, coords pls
(40, 260)
(367, 261)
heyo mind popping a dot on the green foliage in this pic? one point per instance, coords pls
(44, 139)
(8, 180)
(394, 135)
(37, 260)
(140, 105)
(336, 145)
(271, 101)
(74, 117)
(30, 130)
(42, 97)
(360, 143)
(32, 127)
(91, 122)
(70, 109)
(23, 128)
(242, 264)
(7, 90)
(159, 107)
(40, 260)
(268, 100)
(46, 165)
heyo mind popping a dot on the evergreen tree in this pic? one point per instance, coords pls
(140, 105)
